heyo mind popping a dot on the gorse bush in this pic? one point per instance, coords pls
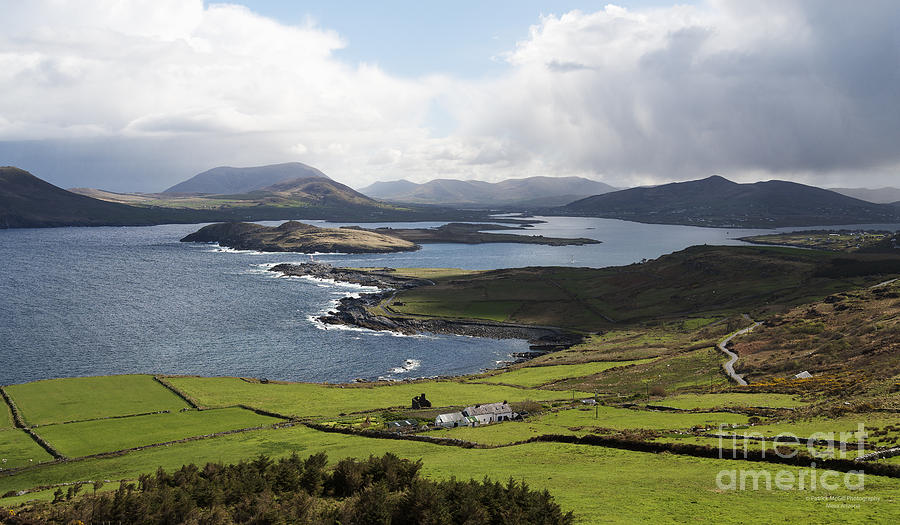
(380, 490)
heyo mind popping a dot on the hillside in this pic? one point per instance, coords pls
(716, 201)
(294, 236)
(857, 330)
(29, 202)
(697, 280)
(229, 180)
(885, 195)
(532, 191)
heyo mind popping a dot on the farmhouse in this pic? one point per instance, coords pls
(491, 412)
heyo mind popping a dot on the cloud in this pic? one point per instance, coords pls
(803, 90)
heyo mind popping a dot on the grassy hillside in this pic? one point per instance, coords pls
(698, 280)
(855, 331)
(27, 202)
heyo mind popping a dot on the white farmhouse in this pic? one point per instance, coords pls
(490, 413)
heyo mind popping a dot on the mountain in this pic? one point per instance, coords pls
(315, 191)
(716, 201)
(532, 191)
(879, 196)
(29, 202)
(227, 180)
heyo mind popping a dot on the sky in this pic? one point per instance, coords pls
(139, 95)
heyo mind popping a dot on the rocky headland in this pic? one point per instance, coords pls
(357, 311)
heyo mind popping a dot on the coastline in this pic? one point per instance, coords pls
(354, 311)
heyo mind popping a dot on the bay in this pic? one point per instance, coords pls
(112, 300)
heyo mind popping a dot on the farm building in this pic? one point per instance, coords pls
(401, 425)
(451, 420)
(493, 412)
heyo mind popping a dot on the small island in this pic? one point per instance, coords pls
(294, 236)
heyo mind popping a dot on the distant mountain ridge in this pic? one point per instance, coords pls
(716, 201)
(886, 195)
(28, 202)
(226, 180)
(531, 191)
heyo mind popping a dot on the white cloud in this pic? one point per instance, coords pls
(803, 90)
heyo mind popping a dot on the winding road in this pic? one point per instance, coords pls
(723, 347)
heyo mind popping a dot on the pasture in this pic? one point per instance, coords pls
(318, 400)
(82, 398)
(17, 449)
(539, 375)
(109, 435)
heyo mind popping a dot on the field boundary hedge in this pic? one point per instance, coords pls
(186, 398)
(19, 422)
(17, 417)
(704, 451)
(383, 434)
(122, 452)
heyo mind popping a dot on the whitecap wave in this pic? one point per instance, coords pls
(408, 366)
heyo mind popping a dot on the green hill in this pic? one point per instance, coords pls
(28, 202)
(226, 179)
(716, 201)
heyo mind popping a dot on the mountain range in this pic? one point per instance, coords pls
(527, 192)
(716, 201)
(885, 195)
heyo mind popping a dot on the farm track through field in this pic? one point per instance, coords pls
(723, 347)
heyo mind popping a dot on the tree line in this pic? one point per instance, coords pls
(377, 490)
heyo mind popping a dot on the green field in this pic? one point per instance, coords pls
(6, 419)
(80, 398)
(595, 482)
(316, 400)
(17, 449)
(603, 420)
(539, 375)
(730, 399)
(108, 435)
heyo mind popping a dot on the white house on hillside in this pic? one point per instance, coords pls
(490, 413)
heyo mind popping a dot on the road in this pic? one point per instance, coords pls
(722, 346)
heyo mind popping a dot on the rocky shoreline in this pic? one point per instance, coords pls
(354, 311)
